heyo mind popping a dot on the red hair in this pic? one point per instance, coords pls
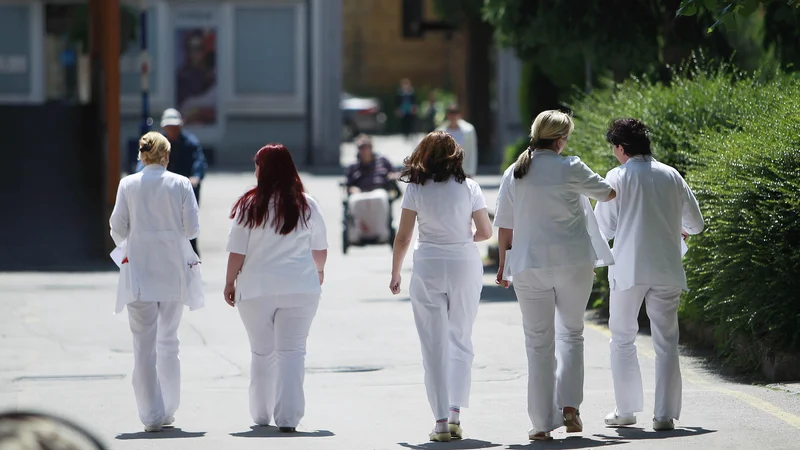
(278, 182)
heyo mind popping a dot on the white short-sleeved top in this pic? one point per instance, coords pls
(653, 203)
(444, 218)
(276, 264)
(549, 213)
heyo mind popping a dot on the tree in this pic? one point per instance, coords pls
(728, 10)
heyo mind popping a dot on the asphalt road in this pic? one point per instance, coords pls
(62, 350)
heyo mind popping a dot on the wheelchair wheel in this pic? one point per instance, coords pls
(392, 233)
(345, 241)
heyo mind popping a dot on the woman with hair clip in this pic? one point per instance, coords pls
(153, 220)
(543, 209)
(447, 277)
(278, 248)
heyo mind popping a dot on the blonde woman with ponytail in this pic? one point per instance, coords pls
(543, 209)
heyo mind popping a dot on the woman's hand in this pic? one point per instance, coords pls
(321, 275)
(394, 285)
(230, 293)
(499, 280)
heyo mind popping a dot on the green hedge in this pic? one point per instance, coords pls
(736, 138)
(744, 270)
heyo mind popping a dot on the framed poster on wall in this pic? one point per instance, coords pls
(196, 80)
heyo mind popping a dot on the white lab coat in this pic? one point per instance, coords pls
(653, 204)
(277, 294)
(467, 138)
(556, 245)
(446, 284)
(154, 218)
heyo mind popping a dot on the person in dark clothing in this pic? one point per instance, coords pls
(368, 201)
(406, 107)
(186, 155)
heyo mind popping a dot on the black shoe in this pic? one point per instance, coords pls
(287, 429)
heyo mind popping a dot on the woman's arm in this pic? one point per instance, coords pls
(235, 263)
(505, 237)
(120, 218)
(402, 241)
(483, 226)
(320, 257)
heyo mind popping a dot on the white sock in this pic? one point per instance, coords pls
(441, 426)
(455, 413)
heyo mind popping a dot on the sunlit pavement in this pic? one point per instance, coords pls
(62, 350)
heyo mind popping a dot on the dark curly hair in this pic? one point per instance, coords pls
(631, 134)
(438, 157)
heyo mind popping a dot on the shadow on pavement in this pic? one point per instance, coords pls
(639, 434)
(459, 444)
(166, 433)
(273, 432)
(567, 443)
(493, 293)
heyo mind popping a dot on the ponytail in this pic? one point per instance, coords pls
(523, 164)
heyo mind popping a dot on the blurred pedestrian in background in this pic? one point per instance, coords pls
(447, 277)
(368, 197)
(654, 210)
(154, 218)
(406, 107)
(464, 133)
(432, 109)
(543, 210)
(276, 267)
(186, 157)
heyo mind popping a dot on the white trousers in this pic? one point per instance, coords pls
(662, 308)
(553, 303)
(277, 327)
(444, 297)
(370, 211)
(157, 368)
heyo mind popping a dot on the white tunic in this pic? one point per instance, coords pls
(154, 218)
(444, 214)
(551, 217)
(467, 138)
(276, 264)
(653, 203)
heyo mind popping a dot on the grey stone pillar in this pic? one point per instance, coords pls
(326, 83)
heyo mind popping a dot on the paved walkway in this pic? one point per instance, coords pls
(62, 350)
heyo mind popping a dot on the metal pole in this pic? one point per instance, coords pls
(145, 68)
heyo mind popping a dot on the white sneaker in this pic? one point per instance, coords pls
(614, 419)
(168, 422)
(153, 428)
(663, 424)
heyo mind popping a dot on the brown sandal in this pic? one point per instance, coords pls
(572, 420)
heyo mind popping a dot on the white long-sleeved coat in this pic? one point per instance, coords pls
(653, 204)
(467, 138)
(154, 218)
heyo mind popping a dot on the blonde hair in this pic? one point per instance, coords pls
(154, 148)
(548, 127)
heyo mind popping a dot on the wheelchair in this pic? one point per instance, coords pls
(348, 221)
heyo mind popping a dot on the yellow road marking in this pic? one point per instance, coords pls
(694, 378)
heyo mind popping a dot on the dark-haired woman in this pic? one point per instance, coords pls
(276, 266)
(543, 208)
(447, 278)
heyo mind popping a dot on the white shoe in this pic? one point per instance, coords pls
(614, 419)
(168, 422)
(152, 428)
(663, 424)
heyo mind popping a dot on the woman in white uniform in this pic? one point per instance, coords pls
(542, 208)
(447, 278)
(278, 249)
(153, 220)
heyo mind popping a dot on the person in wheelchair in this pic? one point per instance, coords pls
(369, 181)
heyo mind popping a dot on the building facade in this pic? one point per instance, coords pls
(242, 72)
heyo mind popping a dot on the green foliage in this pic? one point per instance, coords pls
(512, 152)
(728, 11)
(743, 268)
(457, 11)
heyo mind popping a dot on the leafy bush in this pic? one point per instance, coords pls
(743, 270)
(513, 151)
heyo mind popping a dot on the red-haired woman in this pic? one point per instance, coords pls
(278, 249)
